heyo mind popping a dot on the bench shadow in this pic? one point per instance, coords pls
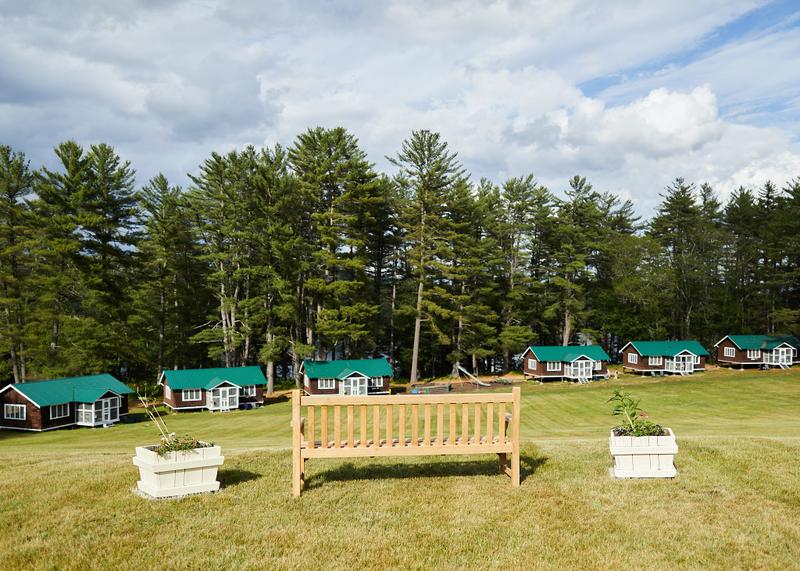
(230, 477)
(349, 471)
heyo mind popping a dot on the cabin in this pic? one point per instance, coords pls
(355, 377)
(216, 389)
(659, 357)
(94, 400)
(574, 362)
(762, 351)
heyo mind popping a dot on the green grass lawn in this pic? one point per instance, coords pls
(66, 498)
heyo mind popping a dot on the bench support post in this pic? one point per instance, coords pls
(517, 411)
(297, 459)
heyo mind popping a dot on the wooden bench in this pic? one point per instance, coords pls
(405, 425)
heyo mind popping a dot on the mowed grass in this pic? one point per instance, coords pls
(66, 500)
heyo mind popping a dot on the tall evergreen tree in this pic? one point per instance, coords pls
(428, 175)
(16, 185)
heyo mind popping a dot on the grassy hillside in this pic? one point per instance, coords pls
(66, 500)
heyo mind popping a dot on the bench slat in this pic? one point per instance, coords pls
(452, 424)
(376, 424)
(310, 436)
(401, 421)
(337, 427)
(414, 425)
(350, 425)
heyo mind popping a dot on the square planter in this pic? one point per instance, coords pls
(178, 473)
(644, 456)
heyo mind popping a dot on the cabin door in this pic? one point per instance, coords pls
(354, 386)
(684, 363)
(583, 369)
(105, 405)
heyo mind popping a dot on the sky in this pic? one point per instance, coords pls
(630, 94)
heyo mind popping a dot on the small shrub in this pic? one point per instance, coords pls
(635, 421)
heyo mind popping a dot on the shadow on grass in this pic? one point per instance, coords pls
(349, 471)
(230, 477)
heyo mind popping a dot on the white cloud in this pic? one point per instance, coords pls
(169, 83)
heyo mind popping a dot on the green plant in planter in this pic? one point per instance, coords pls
(169, 441)
(635, 422)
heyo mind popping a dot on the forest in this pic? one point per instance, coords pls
(278, 254)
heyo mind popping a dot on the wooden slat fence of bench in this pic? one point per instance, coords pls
(405, 425)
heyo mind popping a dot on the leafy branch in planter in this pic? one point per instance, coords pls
(635, 422)
(169, 441)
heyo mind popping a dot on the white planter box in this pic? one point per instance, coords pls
(178, 473)
(644, 456)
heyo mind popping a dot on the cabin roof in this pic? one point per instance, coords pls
(72, 389)
(767, 342)
(568, 353)
(668, 348)
(342, 368)
(210, 378)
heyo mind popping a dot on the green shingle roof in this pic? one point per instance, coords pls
(768, 342)
(343, 367)
(210, 378)
(569, 353)
(73, 389)
(668, 348)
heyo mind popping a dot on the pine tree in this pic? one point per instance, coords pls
(55, 247)
(16, 185)
(171, 296)
(107, 213)
(343, 191)
(428, 174)
(524, 209)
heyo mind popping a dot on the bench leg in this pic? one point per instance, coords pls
(515, 468)
(501, 457)
(297, 474)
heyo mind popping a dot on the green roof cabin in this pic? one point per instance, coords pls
(763, 351)
(347, 377)
(216, 389)
(660, 357)
(94, 400)
(580, 363)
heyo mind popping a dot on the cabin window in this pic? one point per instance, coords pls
(324, 384)
(633, 358)
(191, 394)
(531, 363)
(167, 392)
(598, 365)
(59, 411)
(249, 390)
(754, 354)
(730, 352)
(376, 382)
(655, 361)
(14, 411)
(697, 359)
(553, 365)
(305, 380)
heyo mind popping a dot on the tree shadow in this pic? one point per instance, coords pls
(275, 399)
(230, 477)
(529, 464)
(133, 417)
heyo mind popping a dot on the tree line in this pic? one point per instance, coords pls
(277, 254)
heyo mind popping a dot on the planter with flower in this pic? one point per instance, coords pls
(178, 465)
(640, 448)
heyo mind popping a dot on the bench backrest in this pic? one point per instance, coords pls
(383, 423)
